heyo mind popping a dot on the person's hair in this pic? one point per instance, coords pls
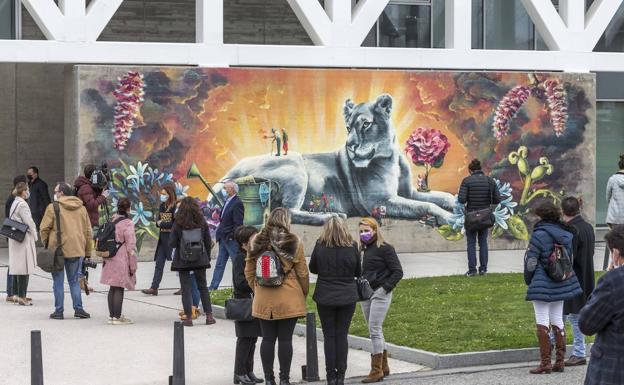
(171, 191)
(231, 182)
(548, 211)
(243, 234)
(189, 216)
(475, 165)
(65, 188)
(335, 233)
(123, 206)
(18, 179)
(19, 189)
(621, 162)
(615, 239)
(88, 170)
(276, 233)
(372, 223)
(35, 169)
(571, 206)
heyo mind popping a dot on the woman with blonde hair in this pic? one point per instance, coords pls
(277, 303)
(336, 261)
(22, 255)
(382, 268)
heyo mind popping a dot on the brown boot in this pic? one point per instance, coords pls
(376, 373)
(560, 346)
(150, 291)
(384, 364)
(543, 338)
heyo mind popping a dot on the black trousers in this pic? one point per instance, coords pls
(115, 301)
(272, 331)
(244, 360)
(20, 285)
(335, 322)
(187, 297)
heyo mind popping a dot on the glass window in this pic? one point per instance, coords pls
(404, 25)
(610, 141)
(477, 24)
(7, 27)
(613, 38)
(507, 25)
(437, 16)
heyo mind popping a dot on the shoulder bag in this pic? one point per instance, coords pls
(365, 291)
(53, 260)
(481, 219)
(238, 309)
(14, 229)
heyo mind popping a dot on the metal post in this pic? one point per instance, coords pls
(36, 358)
(178, 377)
(311, 372)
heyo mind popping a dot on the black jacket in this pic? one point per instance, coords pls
(381, 266)
(583, 245)
(7, 205)
(337, 268)
(39, 199)
(478, 191)
(166, 217)
(177, 264)
(241, 289)
(231, 217)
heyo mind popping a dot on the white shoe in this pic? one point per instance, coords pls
(110, 320)
(122, 321)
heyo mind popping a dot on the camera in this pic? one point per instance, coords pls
(101, 176)
(87, 264)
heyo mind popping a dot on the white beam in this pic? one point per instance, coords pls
(458, 24)
(209, 21)
(547, 22)
(598, 17)
(99, 13)
(47, 16)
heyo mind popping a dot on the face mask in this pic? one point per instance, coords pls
(27, 195)
(30, 177)
(55, 198)
(366, 237)
(164, 197)
(224, 193)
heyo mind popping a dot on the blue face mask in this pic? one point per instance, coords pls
(164, 197)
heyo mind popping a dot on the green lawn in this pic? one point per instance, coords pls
(452, 314)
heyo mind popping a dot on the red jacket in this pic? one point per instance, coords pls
(91, 200)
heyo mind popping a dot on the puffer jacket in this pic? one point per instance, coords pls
(381, 266)
(478, 191)
(92, 201)
(541, 245)
(337, 268)
(615, 199)
(289, 299)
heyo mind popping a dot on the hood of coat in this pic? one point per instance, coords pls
(282, 242)
(70, 203)
(559, 232)
(81, 181)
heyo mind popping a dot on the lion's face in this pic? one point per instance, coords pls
(370, 132)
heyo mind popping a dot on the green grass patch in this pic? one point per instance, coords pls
(452, 314)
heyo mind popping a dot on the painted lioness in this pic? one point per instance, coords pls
(367, 172)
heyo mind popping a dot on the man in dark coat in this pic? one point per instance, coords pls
(231, 217)
(583, 245)
(603, 315)
(477, 192)
(39, 195)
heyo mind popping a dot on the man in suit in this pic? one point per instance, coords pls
(583, 246)
(603, 315)
(231, 218)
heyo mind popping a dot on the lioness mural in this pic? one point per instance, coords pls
(367, 172)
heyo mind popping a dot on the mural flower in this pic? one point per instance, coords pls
(181, 191)
(557, 106)
(427, 148)
(140, 214)
(508, 109)
(129, 95)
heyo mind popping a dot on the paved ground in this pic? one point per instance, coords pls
(75, 350)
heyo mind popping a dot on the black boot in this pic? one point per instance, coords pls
(269, 379)
(284, 380)
(243, 379)
(255, 379)
(331, 377)
(340, 377)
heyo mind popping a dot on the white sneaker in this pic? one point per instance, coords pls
(110, 320)
(122, 321)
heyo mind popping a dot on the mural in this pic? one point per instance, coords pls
(389, 144)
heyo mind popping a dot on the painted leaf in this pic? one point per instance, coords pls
(139, 239)
(497, 231)
(449, 233)
(518, 228)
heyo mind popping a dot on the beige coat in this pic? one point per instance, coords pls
(23, 255)
(76, 234)
(287, 300)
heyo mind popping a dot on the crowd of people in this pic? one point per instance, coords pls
(269, 269)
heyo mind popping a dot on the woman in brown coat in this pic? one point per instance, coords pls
(278, 307)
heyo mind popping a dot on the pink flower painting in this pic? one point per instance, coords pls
(427, 148)
(129, 95)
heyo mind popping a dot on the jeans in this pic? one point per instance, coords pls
(160, 259)
(187, 296)
(375, 310)
(335, 321)
(72, 268)
(10, 292)
(277, 330)
(471, 238)
(579, 338)
(195, 291)
(245, 349)
(20, 285)
(228, 248)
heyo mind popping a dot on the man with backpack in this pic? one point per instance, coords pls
(76, 238)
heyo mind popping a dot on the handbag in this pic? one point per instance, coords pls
(14, 229)
(238, 309)
(53, 260)
(480, 219)
(364, 289)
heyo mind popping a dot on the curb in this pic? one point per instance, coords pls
(431, 360)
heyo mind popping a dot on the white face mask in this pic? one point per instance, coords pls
(55, 198)
(27, 195)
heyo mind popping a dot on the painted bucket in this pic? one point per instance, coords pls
(256, 197)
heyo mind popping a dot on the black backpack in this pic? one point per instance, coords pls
(192, 245)
(106, 246)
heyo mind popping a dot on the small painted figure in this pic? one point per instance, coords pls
(278, 141)
(285, 141)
